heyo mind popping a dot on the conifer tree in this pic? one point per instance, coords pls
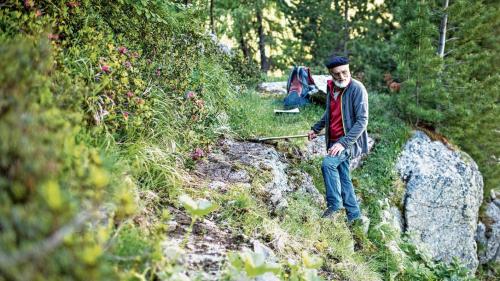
(473, 83)
(422, 96)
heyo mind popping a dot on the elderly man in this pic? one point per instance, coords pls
(345, 120)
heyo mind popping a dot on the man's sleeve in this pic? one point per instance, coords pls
(361, 112)
(320, 124)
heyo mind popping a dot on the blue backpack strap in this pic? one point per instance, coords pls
(304, 80)
(290, 77)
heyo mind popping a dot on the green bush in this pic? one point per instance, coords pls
(96, 98)
(55, 189)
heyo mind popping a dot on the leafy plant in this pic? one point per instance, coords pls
(250, 264)
(307, 269)
(196, 209)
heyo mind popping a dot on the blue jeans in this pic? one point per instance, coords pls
(338, 184)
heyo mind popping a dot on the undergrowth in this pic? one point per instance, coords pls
(104, 103)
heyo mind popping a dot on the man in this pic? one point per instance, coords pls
(345, 120)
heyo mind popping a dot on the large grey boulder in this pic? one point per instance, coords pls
(272, 87)
(488, 233)
(316, 148)
(320, 81)
(444, 190)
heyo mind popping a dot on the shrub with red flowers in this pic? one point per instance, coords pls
(197, 153)
(122, 74)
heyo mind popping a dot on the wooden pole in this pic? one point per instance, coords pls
(283, 137)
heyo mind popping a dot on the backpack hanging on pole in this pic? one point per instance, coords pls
(300, 85)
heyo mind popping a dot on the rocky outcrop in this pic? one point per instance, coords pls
(251, 165)
(303, 182)
(205, 250)
(272, 87)
(316, 148)
(245, 162)
(488, 232)
(248, 165)
(443, 193)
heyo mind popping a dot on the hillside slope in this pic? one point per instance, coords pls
(108, 112)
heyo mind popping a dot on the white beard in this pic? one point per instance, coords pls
(341, 85)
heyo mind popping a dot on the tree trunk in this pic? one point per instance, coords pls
(244, 48)
(442, 29)
(346, 26)
(262, 42)
(212, 24)
(244, 45)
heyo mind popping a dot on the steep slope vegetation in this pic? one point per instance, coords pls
(105, 109)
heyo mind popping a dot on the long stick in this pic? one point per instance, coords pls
(281, 137)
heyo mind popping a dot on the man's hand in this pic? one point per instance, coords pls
(336, 149)
(311, 135)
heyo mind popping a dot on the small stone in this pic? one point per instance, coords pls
(171, 226)
(493, 194)
(489, 236)
(239, 176)
(217, 185)
(481, 234)
(365, 222)
(265, 166)
(269, 254)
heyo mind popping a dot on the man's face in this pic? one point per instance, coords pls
(341, 75)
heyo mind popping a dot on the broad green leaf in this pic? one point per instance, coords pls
(255, 264)
(198, 208)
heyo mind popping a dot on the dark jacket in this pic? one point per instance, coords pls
(354, 119)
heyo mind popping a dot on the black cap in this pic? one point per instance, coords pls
(334, 61)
